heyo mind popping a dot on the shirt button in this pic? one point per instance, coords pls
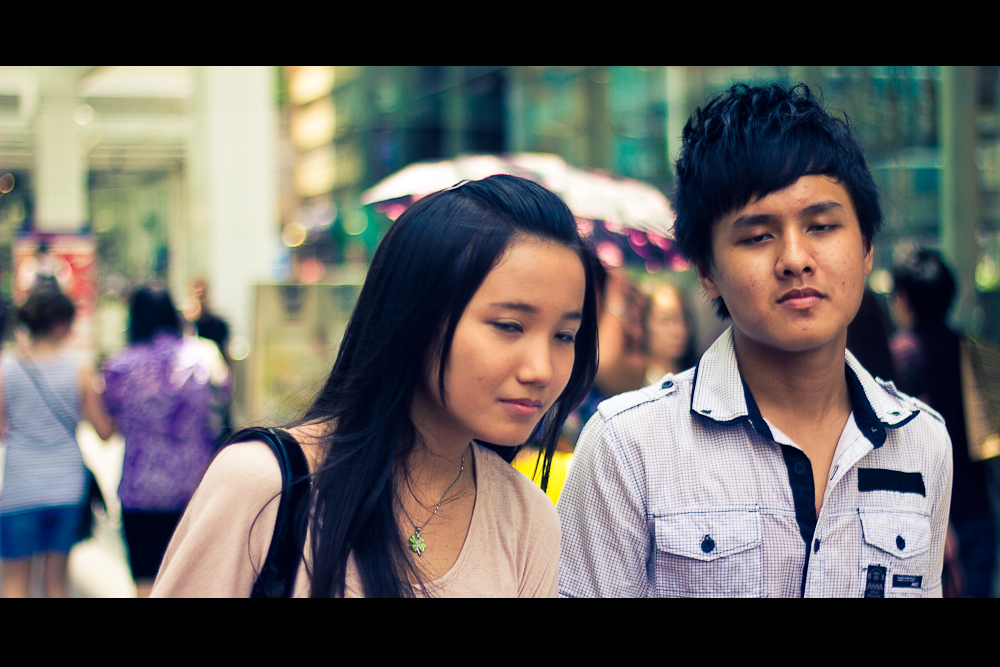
(667, 385)
(800, 468)
(707, 544)
(815, 546)
(900, 542)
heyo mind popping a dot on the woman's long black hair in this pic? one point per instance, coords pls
(423, 275)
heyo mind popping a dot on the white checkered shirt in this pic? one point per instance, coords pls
(681, 489)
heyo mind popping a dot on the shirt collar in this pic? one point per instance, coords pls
(720, 394)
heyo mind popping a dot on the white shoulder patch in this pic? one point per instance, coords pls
(631, 399)
(915, 403)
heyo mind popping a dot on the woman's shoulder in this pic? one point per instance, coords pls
(510, 488)
(222, 540)
(250, 466)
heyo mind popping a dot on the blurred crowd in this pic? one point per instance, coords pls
(167, 393)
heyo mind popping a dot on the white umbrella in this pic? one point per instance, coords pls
(621, 202)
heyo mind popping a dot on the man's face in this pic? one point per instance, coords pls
(791, 266)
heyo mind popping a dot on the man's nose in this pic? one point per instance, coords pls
(795, 256)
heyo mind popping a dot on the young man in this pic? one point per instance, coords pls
(776, 467)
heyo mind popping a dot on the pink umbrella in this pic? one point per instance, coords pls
(623, 203)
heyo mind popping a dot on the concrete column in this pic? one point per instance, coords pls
(60, 169)
(596, 137)
(958, 194)
(455, 112)
(516, 94)
(233, 187)
(678, 112)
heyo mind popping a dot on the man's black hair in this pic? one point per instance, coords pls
(754, 140)
(924, 279)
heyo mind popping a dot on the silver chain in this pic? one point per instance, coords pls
(418, 529)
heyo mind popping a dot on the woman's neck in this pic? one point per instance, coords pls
(44, 348)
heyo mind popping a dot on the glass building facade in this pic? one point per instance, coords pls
(931, 136)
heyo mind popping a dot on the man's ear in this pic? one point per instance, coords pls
(869, 255)
(707, 282)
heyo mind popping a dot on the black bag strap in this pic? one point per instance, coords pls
(277, 576)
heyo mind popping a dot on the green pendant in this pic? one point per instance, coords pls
(417, 543)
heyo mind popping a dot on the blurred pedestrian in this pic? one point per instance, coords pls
(166, 392)
(868, 339)
(668, 341)
(928, 355)
(45, 393)
(211, 327)
(475, 325)
(45, 270)
(207, 324)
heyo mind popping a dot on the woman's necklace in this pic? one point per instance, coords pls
(417, 542)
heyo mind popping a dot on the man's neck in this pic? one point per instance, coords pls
(797, 391)
(803, 394)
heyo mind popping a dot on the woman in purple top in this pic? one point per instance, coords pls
(166, 392)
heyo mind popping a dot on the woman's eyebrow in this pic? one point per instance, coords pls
(531, 310)
(516, 305)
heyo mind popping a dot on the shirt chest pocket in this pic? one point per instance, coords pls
(709, 554)
(895, 557)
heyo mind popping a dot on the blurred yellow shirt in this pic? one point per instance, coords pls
(525, 462)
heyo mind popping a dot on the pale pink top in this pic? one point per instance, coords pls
(512, 549)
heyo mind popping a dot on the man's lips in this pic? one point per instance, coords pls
(801, 298)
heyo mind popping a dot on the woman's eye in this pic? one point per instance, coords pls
(566, 336)
(507, 327)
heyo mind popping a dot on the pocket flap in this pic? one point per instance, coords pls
(708, 535)
(902, 534)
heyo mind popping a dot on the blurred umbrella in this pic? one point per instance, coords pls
(622, 203)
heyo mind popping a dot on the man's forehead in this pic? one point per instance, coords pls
(808, 195)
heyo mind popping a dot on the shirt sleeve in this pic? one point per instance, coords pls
(940, 511)
(606, 541)
(222, 540)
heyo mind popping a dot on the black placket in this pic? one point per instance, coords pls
(800, 479)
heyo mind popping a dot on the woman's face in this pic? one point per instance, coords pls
(666, 329)
(513, 349)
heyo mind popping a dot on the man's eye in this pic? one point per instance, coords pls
(756, 239)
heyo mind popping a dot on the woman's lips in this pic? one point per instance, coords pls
(524, 407)
(800, 299)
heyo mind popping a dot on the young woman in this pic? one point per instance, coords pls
(668, 340)
(475, 331)
(166, 392)
(44, 394)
